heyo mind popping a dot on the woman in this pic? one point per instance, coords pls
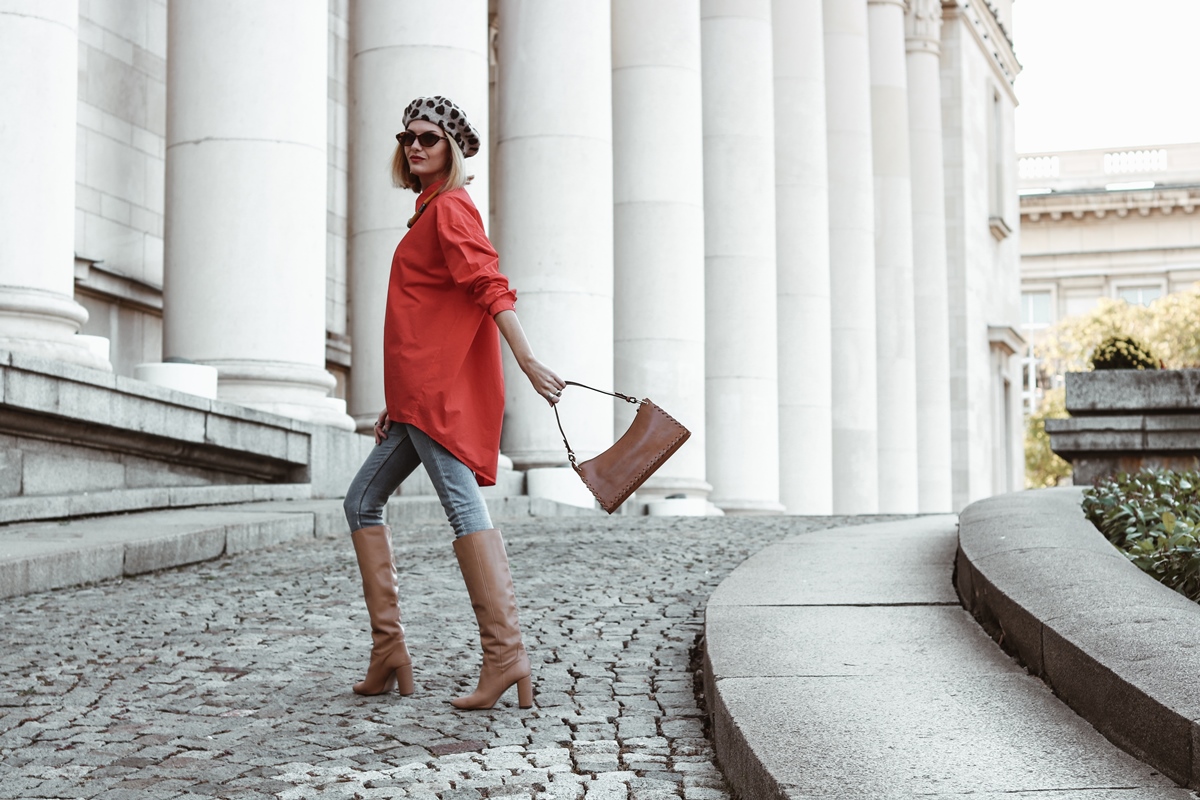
(445, 401)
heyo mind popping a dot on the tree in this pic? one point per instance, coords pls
(1169, 327)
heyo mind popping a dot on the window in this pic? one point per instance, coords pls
(1035, 309)
(1139, 295)
(1036, 313)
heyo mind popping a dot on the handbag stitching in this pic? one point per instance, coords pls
(623, 495)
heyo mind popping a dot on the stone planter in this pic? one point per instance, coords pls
(1124, 420)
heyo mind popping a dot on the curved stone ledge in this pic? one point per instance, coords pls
(1118, 647)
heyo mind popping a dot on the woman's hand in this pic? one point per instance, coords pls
(381, 426)
(545, 381)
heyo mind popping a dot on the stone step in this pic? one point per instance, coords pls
(118, 501)
(37, 556)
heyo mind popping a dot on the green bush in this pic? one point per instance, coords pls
(1122, 352)
(1153, 517)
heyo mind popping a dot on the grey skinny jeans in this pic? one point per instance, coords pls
(393, 460)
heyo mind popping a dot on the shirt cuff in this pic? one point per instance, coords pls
(502, 304)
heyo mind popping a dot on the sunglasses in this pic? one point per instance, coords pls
(427, 139)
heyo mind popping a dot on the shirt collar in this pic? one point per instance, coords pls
(428, 191)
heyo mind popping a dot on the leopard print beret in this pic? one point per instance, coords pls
(443, 112)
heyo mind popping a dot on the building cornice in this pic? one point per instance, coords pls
(984, 23)
(1057, 207)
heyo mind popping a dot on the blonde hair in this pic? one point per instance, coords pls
(456, 175)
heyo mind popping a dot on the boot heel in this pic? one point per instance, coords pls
(525, 692)
(404, 679)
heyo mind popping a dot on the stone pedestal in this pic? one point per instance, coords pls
(39, 57)
(244, 270)
(658, 197)
(894, 333)
(399, 51)
(931, 290)
(554, 217)
(851, 258)
(739, 232)
(802, 261)
(1126, 420)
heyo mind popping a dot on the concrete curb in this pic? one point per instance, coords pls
(40, 556)
(1121, 649)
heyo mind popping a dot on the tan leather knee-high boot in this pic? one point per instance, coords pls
(484, 567)
(390, 662)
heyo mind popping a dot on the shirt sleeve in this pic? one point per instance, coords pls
(469, 255)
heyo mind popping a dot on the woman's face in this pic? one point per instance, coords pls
(427, 163)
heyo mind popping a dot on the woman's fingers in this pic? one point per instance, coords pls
(381, 426)
(554, 386)
(545, 381)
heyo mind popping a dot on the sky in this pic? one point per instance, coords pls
(1106, 73)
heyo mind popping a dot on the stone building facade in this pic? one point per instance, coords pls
(1118, 223)
(792, 223)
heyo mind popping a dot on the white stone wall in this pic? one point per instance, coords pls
(984, 286)
(339, 99)
(338, 352)
(119, 145)
(121, 120)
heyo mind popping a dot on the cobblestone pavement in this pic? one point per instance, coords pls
(231, 679)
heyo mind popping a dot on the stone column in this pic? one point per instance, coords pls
(895, 326)
(923, 28)
(802, 236)
(554, 217)
(658, 195)
(400, 50)
(851, 258)
(39, 75)
(741, 362)
(244, 261)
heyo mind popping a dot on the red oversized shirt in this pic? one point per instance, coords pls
(441, 348)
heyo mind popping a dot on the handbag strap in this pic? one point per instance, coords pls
(558, 419)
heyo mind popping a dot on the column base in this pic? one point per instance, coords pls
(560, 484)
(44, 324)
(663, 487)
(299, 391)
(682, 507)
(746, 508)
(538, 459)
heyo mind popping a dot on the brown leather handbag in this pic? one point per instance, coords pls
(617, 473)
